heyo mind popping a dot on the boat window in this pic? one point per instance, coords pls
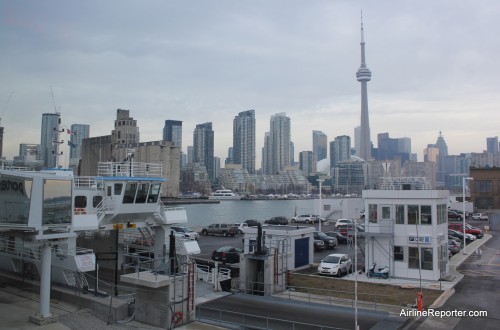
(80, 202)
(129, 195)
(96, 200)
(15, 194)
(118, 188)
(154, 192)
(142, 193)
(56, 202)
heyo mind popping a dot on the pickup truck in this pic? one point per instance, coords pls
(223, 229)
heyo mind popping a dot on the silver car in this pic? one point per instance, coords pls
(335, 265)
(185, 232)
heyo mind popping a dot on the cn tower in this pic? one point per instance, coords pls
(364, 75)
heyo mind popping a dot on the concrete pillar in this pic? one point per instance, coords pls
(45, 316)
(45, 282)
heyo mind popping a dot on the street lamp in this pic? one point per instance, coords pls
(463, 208)
(319, 213)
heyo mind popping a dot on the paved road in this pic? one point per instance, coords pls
(275, 313)
(479, 290)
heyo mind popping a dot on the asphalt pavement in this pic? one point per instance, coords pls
(478, 290)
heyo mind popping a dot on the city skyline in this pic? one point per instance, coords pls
(206, 63)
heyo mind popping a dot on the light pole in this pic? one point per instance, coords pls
(463, 208)
(356, 326)
(319, 213)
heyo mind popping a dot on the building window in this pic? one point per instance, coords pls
(412, 214)
(400, 214)
(427, 258)
(413, 257)
(399, 254)
(80, 202)
(118, 188)
(372, 213)
(96, 200)
(483, 202)
(483, 186)
(386, 212)
(442, 214)
(426, 215)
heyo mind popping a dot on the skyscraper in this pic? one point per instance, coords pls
(340, 150)
(203, 148)
(307, 162)
(443, 152)
(49, 139)
(364, 76)
(279, 142)
(172, 131)
(266, 154)
(320, 145)
(125, 135)
(244, 140)
(77, 134)
(492, 145)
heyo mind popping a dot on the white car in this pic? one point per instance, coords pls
(241, 227)
(335, 265)
(344, 222)
(479, 216)
(305, 218)
(185, 232)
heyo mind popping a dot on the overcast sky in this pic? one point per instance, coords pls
(434, 67)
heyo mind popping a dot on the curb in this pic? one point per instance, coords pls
(443, 298)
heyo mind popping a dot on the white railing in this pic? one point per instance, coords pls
(88, 182)
(129, 169)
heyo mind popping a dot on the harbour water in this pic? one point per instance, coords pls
(232, 211)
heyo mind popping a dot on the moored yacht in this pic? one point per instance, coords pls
(223, 194)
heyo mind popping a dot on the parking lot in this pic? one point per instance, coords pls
(210, 243)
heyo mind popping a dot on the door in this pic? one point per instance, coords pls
(301, 252)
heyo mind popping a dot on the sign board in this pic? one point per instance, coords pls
(419, 239)
(85, 262)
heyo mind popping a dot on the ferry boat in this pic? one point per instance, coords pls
(224, 194)
(45, 214)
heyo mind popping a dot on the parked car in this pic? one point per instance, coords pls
(341, 239)
(468, 229)
(319, 245)
(252, 222)
(452, 215)
(228, 254)
(330, 242)
(241, 227)
(454, 247)
(344, 222)
(277, 221)
(318, 218)
(223, 229)
(468, 237)
(480, 216)
(305, 218)
(185, 232)
(335, 264)
(348, 230)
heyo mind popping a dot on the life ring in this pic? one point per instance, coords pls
(178, 316)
